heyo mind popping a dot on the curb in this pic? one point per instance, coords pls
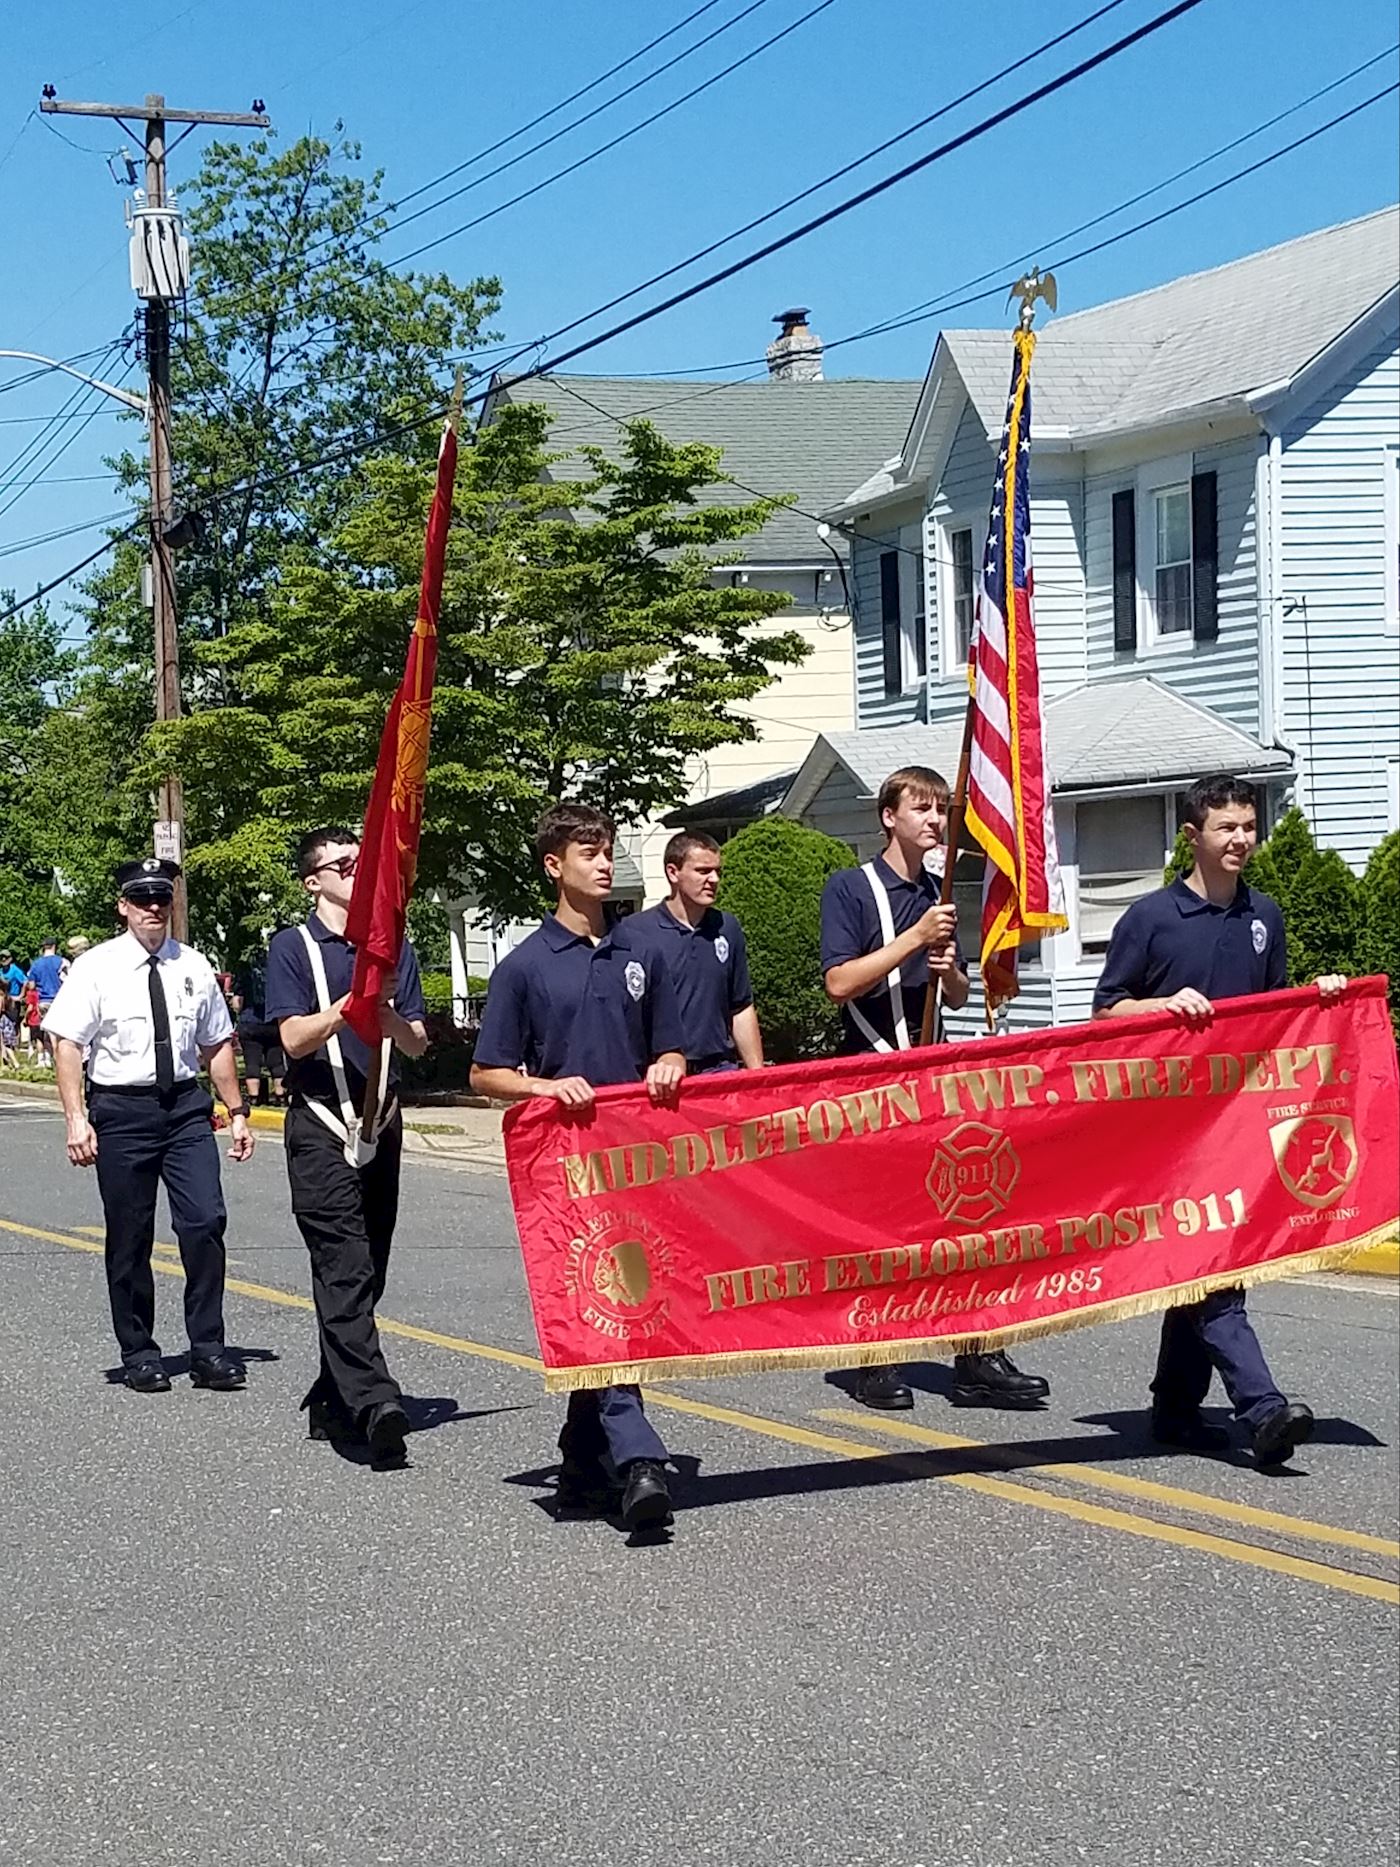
(1375, 1261)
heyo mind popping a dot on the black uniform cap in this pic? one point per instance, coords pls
(153, 875)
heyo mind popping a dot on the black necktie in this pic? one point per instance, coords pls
(160, 1026)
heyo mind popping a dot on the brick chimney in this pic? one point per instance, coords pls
(795, 355)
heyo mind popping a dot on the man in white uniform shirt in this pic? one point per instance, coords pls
(147, 1010)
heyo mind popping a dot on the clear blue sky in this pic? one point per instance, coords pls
(424, 83)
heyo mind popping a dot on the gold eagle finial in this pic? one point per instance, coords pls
(1031, 286)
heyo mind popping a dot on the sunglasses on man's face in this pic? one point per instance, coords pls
(147, 898)
(343, 865)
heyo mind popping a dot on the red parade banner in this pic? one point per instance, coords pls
(886, 1207)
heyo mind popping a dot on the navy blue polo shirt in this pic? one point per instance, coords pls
(1174, 938)
(291, 993)
(710, 966)
(561, 1006)
(851, 929)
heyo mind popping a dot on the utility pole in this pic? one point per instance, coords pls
(160, 276)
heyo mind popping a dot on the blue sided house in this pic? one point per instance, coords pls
(1215, 518)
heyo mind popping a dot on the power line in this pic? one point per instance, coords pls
(339, 455)
(21, 545)
(72, 571)
(880, 187)
(304, 274)
(57, 453)
(736, 233)
(38, 442)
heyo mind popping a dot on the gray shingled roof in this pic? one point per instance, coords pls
(814, 439)
(1210, 338)
(1109, 734)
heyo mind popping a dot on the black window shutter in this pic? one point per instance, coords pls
(891, 647)
(1205, 559)
(1124, 573)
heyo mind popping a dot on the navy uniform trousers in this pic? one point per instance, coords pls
(1216, 1335)
(146, 1139)
(347, 1216)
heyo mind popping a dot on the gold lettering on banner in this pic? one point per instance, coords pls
(757, 1137)
(977, 1091)
(1263, 1072)
(1130, 1079)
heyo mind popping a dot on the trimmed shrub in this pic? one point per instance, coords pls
(1323, 917)
(1261, 872)
(1290, 846)
(1378, 947)
(1180, 862)
(437, 993)
(774, 873)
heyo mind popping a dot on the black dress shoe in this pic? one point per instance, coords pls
(147, 1377)
(325, 1420)
(584, 1490)
(386, 1428)
(1189, 1431)
(217, 1371)
(995, 1381)
(883, 1389)
(1286, 1427)
(646, 1497)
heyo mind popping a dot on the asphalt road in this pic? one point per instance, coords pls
(862, 1647)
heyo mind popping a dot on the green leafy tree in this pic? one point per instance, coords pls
(774, 873)
(583, 648)
(1378, 948)
(298, 343)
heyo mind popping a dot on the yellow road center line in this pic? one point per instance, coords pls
(1094, 1477)
(1297, 1568)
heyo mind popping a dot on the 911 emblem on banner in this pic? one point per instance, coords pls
(974, 1173)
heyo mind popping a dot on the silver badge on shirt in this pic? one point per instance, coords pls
(636, 978)
(721, 949)
(1259, 934)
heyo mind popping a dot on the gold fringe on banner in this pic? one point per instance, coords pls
(925, 1347)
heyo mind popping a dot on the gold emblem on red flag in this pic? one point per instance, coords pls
(974, 1173)
(1316, 1156)
(616, 1273)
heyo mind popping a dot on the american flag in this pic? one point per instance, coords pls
(1008, 792)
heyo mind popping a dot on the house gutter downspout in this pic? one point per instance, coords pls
(1272, 721)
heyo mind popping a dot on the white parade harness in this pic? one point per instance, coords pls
(893, 983)
(348, 1126)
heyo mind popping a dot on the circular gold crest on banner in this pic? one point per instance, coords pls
(617, 1273)
(974, 1173)
(1316, 1156)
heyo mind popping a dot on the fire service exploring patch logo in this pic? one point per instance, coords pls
(1316, 1156)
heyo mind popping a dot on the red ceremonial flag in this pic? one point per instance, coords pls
(394, 820)
(1008, 795)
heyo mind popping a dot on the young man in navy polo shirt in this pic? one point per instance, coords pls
(343, 1158)
(572, 1008)
(884, 938)
(1208, 936)
(708, 957)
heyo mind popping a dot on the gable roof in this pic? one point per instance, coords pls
(1212, 339)
(814, 439)
(1105, 736)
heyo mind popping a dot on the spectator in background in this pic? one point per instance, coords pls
(260, 1042)
(9, 1056)
(47, 973)
(30, 1035)
(12, 979)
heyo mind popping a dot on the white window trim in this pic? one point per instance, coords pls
(949, 663)
(1391, 463)
(911, 563)
(1155, 477)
